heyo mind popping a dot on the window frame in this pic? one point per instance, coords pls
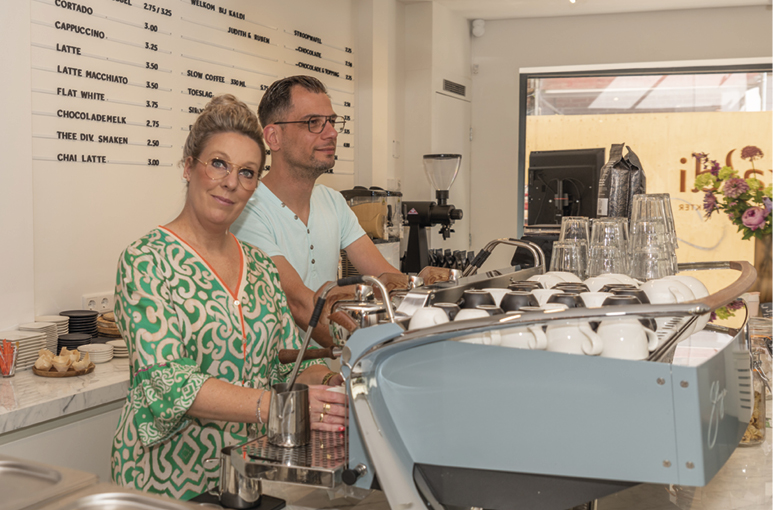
(601, 70)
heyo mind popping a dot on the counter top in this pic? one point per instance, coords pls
(27, 399)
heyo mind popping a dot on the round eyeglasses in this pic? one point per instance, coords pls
(317, 123)
(218, 168)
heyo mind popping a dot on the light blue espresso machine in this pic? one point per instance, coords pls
(439, 423)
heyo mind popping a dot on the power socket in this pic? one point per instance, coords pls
(101, 302)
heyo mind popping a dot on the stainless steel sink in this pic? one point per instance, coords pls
(24, 484)
(123, 501)
(109, 496)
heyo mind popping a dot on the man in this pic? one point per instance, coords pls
(302, 225)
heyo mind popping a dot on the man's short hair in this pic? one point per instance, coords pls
(276, 100)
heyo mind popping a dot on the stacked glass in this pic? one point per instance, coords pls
(608, 251)
(653, 237)
(570, 252)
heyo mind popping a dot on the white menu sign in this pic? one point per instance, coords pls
(119, 82)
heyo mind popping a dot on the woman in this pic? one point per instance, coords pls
(204, 316)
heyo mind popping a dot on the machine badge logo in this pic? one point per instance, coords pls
(717, 412)
(413, 211)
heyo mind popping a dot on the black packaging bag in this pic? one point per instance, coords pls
(621, 178)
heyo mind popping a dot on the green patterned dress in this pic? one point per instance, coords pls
(182, 326)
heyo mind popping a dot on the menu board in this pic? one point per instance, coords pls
(119, 82)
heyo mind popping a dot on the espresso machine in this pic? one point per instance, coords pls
(437, 422)
(441, 171)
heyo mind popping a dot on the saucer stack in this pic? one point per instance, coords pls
(107, 327)
(98, 353)
(82, 321)
(73, 341)
(119, 348)
(62, 323)
(47, 328)
(30, 342)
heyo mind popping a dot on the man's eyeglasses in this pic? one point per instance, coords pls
(317, 123)
(217, 168)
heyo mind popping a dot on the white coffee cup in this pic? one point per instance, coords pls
(626, 339)
(594, 299)
(624, 278)
(553, 307)
(491, 337)
(595, 283)
(543, 295)
(497, 294)
(547, 280)
(699, 291)
(665, 291)
(565, 276)
(529, 337)
(573, 337)
(426, 317)
(470, 313)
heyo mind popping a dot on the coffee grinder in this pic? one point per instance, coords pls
(441, 171)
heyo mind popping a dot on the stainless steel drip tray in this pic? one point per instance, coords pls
(318, 464)
(24, 483)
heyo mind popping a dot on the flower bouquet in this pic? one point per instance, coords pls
(745, 201)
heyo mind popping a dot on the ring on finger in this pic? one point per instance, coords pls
(321, 416)
(326, 408)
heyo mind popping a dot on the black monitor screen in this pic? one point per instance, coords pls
(563, 183)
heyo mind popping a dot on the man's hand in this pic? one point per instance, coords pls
(432, 274)
(392, 281)
(322, 330)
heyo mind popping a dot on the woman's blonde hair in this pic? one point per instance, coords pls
(224, 114)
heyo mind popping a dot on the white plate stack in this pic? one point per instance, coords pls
(47, 328)
(98, 353)
(62, 323)
(119, 348)
(30, 342)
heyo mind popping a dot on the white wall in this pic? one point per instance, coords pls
(16, 248)
(437, 48)
(379, 108)
(54, 250)
(509, 45)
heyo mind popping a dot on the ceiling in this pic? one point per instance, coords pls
(504, 9)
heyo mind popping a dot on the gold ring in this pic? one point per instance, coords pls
(326, 408)
(321, 416)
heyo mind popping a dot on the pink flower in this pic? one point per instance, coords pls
(709, 204)
(754, 218)
(751, 152)
(735, 187)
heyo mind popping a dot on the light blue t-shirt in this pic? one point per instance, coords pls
(314, 250)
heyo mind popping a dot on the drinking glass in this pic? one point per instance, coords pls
(657, 207)
(608, 250)
(576, 229)
(607, 259)
(649, 263)
(567, 256)
(652, 234)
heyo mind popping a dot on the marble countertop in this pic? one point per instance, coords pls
(27, 399)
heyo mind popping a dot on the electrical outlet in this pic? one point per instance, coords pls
(101, 302)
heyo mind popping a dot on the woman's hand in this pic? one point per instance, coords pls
(328, 410)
